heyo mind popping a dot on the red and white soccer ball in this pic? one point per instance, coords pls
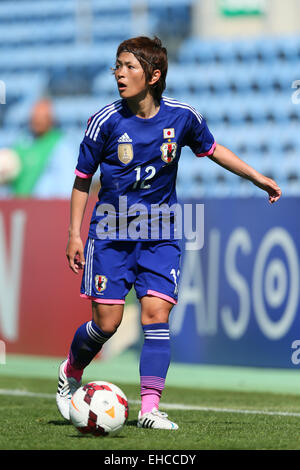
(99, 408)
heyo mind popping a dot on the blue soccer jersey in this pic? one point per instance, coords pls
(138, 161)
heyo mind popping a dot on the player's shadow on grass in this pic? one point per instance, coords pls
(133, 422)
(90, 436)
(59, 423)
(117, 436)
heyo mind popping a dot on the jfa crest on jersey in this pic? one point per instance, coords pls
(168, 151)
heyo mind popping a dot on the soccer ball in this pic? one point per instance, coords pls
(99, 408)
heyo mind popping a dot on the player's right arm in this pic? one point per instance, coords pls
(88, 162)
(91, 151)
(79, 198)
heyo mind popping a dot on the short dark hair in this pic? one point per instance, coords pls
(152, 56)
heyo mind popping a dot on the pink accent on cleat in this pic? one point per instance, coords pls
(70, 371)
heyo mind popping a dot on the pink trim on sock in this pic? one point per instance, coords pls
(102, 301)
(148, 381)
(70, 371)
(161, 296)
(151, 390)
(150, 401)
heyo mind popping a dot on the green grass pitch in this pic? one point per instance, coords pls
(33, 422)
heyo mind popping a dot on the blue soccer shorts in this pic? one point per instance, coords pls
(112, 267)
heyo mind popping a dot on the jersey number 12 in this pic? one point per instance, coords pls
(141, 183)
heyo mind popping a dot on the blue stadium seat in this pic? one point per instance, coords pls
(19, 85)
(266, 50)
(244, 50)
(76, 111)
(224, 51)
(289, 177)
(181, 79)
(36, 11)
(105, 84)
(51, 58)
(289, 49)
(196, 51)
(62, 32)
(241, 86)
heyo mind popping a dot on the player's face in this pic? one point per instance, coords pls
(130, 76)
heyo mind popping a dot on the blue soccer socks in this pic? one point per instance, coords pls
(154, 360)
(87, 342)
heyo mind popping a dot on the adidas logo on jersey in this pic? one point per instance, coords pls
(125, 138)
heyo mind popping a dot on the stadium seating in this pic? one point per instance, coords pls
(248, 103)
(243, 87)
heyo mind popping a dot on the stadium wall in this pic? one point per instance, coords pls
(239, 294)
(39, 297)
(229, 18)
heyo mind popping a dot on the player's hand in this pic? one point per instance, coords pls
(75, 254)
(271, 187)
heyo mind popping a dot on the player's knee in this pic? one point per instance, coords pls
(107, 317)
(107, 326)
(154, 310)
(154, 316)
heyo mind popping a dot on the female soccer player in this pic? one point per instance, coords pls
(137, 142)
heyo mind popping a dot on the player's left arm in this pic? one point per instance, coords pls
(228, 160)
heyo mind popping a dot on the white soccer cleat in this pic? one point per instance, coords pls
(156, 420)
(67, 386)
